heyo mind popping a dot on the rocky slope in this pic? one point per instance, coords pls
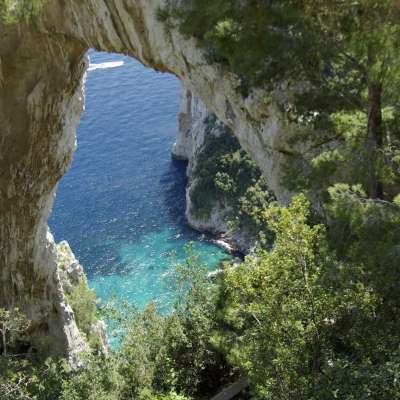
(72, 275)
(42, 65)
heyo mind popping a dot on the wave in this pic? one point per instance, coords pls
(106, 65)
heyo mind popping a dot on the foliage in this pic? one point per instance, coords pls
(305, 324)
(13, 324)
(199, 367)
(340, 63)
(161, 357)
(31, 379)
(13, 11)
(24, 375)
(368, 233)
(97, 379)
(341, 156)
(315, 317)
(224, 174)
(142, 352)
(84, 304)
(148, 395)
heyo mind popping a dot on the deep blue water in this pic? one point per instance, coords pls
(121, 205)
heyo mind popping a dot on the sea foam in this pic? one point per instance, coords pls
(106, 65)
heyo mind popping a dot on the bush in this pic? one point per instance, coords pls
(306, 324)
(225, 175)
(160, 357)
(199, 366)
(13, 11)
(83, 302)
(13, 326)
(312, 318)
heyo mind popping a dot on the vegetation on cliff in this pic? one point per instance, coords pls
(159, 357)
(12, 11)
(84, 305)
(303, 320)
(339, 60)
(316, 317)
(226, 178)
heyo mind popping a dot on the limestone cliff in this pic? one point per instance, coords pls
(191, 127)
(42, 65)
(196, 124)
(73, 277)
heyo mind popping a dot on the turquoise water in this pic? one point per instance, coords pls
(121, 205)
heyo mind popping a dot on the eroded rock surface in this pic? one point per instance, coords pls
(41, 72)
(197, 125)
(192, 128)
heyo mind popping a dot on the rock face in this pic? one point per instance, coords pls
(193, 129)
(192, 118)
(42, 65)
(72, 275)
(70, 271)
(40, 102)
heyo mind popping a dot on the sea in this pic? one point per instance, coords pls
(121, 206)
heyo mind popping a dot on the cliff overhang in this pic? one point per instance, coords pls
(42, 68)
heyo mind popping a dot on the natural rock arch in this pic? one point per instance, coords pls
(42, 65)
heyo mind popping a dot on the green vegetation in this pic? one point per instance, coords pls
(344, 55)
(316, 315)
(13, 11)
(307, 323)
(84, 304)
(12, 326)
(161, 357)
(225, 176)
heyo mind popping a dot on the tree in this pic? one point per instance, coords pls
(362, 68)
(12, 325)
(278, 310)
(303, 324)
(83, 302)
(14, 11)
(340, 60)
(197, 364)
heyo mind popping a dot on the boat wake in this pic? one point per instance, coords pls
(106, 65)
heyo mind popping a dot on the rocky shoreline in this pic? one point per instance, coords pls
(194, 129)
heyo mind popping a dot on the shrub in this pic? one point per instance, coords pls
(13, 325)
(225, 175)
(83, 302)
(13, 11)
(304, 323)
